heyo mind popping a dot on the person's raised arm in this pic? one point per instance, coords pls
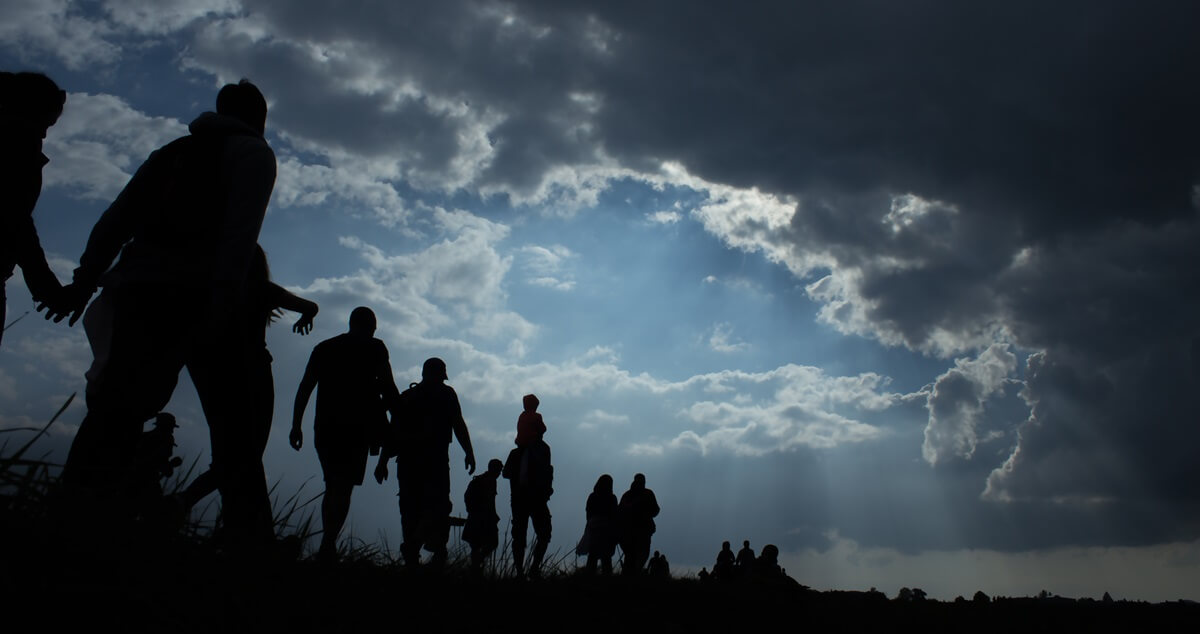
(280, 297)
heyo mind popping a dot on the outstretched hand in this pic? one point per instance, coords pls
(296, 439)
(70, 301)
(304, 326)
(470, 460)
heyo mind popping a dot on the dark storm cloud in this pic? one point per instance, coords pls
(1054, 112)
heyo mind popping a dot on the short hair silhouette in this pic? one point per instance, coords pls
(245, 102)
(434, 370)
(362, 319)
(32, 96)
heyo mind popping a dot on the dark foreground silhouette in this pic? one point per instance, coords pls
(59, 577)
(183, 587)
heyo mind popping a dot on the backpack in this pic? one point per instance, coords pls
(398, 435)
(529, 469)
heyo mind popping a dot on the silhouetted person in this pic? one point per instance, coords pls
(354, 385)
(703, 575)
(745, 557)
(482, 531)
(428, 418)
(185, 228)
(264, 306)
(723, 569)
(29, 104)
(155, 458)
(601, 525)
(636, 513)
(530, 426)
(659, 568)
(766, 567)
(531, 482)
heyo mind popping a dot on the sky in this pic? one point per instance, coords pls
(909, 289)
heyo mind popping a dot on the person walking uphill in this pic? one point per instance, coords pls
(355, 387)
(482, 529)
(636, 511)
(601, 527)
(185, 227)
(531, 483)
(428, 417)
(29, 104)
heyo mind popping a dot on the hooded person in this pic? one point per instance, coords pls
(183, 233)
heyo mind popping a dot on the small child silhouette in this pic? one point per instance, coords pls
(529, 424)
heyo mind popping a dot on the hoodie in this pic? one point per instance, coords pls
(190, 216)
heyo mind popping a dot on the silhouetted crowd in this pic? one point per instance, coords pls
(183, 283)
(744, 566)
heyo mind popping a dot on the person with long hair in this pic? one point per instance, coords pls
(266, 302)
(601, 525)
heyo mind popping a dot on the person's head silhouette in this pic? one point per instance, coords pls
(362, 321)
(243, 101)
(30, 101)
(639, 482)
(604, 484)
(434, 370)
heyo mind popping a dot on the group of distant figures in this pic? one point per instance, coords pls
(744, 566)
(182, 283)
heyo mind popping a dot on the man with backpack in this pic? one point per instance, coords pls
(428, 417)
(185, 228)
(531, 482)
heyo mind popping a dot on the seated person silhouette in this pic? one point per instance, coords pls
(530, 425)
(354, 384)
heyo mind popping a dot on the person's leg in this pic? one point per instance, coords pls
(435, 527)
(335, 506)
(204, 484)
(231, 395)
(642, 553)
(541, 532)
(409, 499)
(520, 526)
(138, 356)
